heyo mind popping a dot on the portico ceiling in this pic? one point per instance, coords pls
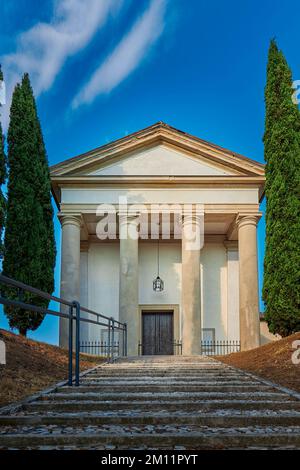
(214, 225)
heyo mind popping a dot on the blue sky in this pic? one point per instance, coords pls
(104, 68)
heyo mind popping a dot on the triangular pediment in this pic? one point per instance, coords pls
(159, 161)
(158, 150)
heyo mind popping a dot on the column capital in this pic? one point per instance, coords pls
(231, 245)
(192, 217)
(70, 219)
(127, 217)
(247, 219)
(84, 246)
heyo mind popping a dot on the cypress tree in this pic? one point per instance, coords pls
(29, 237)
(2, 179)
(281, 290)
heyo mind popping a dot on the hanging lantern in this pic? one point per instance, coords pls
(158, 283)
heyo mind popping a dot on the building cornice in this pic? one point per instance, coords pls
(207, 179)
(78, 182)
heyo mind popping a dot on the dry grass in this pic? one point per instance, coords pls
(271, 361)
(32, 366)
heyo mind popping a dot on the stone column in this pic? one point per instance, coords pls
(70, 269)
(248, 282)
(129, 285)
(191, 292)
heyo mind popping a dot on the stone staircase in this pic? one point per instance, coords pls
(158, 402)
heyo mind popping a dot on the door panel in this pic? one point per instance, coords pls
(149, 334)
(157, 333)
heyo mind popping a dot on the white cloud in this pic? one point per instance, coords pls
(127, 56)
(42, 50)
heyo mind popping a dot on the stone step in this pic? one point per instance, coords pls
(137, 418)
(207, 362)
(165, 381)
(144, 361)
(150, 405)
(152, 388)
(100, 389)
(162, 379)
(202, 375)
(173, 413)
(157, 366)
(164, 372)
(219, 439)
(169, 395)
(170, 380)
(117, 429)
(165, 368)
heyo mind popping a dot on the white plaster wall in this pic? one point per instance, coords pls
(84, 300)
(103, 281)
(170, 272)
(214, 289)
(161, 160)
(233, 317)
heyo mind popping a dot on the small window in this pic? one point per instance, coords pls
(104, 335)
(208, 340)
(208, 334)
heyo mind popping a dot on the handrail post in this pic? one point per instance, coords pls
(77, 343)
(125, 341)
(112, 337)
(70, 381)
(108, 352)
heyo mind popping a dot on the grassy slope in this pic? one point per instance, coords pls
(272, 361)
(32, 366)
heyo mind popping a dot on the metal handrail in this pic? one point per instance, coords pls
(73, 315)
(33, 290)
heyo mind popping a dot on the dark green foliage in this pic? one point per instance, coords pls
(29, 237)
(2, 180)
(281, 291)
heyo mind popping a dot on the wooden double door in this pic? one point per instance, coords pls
(157, 333)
